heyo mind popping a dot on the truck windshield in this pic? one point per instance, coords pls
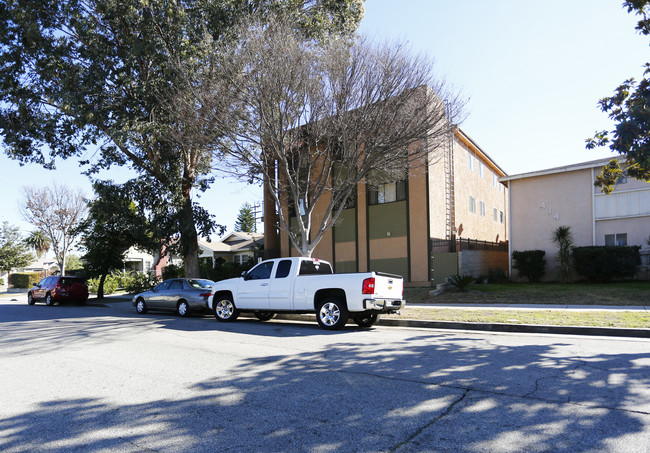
(314, 267)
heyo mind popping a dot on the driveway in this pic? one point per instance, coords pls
(104, 379)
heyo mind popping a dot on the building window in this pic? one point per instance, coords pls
(472, 204)
(501, 188)
(616, 239)
(494, 214)
(481, 170)
(387, 193)
(237, 259)
(495, 180)
(472, 162)
(501, 216)
(482, 208)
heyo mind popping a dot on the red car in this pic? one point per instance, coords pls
(59, 289)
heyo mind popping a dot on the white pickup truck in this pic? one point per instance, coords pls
(307, 285)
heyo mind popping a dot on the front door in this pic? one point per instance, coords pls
(253, 292)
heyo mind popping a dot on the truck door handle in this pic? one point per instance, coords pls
(264, 284)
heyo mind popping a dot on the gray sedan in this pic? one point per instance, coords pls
(182, 295)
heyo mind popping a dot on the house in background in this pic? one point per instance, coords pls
(403, 226)
(236, 247)
(541, 201)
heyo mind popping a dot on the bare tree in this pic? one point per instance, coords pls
(55, 211)
(316, 119)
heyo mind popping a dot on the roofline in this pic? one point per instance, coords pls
(563, 169)
(462, 135)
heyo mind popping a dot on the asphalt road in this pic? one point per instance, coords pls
(104, 379)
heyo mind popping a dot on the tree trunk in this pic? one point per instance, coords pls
(100, 289)
(189, 239)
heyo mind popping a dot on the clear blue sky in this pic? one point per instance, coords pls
(533, 72)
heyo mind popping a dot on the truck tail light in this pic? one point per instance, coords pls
(368, 286)
(206, 295)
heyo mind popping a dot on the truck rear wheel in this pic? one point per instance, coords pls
(366, 319)
(224, 309)
(332, 314)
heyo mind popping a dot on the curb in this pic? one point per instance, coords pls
(519, 328)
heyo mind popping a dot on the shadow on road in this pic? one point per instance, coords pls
(479, 396)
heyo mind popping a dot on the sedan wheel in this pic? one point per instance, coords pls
(225, 310)
(183, 309)
(332, 314)
(140, 306)
(30, 299)
(48, 300)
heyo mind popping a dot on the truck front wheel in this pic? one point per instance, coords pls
(224, 309)
(332, 314)
(366, 319)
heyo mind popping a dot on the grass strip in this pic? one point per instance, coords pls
(623, 319)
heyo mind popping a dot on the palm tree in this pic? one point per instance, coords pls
(563, 238)
(39, 242)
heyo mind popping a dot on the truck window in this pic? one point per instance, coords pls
(314, 268)
(284, 267)
(260, 272)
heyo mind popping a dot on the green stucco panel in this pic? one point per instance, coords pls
(387, 220)
(345, 229)
(399, 266)
(344, 267)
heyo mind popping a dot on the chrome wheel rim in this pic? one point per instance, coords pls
(224, 309)
(182, 309)
(140, 306)
(48, 300)
(330, 314)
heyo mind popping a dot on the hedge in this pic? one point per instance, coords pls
(24, 279)
(606, 263)
(530, 264)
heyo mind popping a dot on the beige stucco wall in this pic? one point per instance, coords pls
(470, 183)
(437, 197)
(540, 204)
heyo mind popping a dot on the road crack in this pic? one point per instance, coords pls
(431, 423)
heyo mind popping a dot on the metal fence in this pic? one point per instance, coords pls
(461, 244)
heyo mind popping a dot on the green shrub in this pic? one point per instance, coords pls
(606, 263)
(23, 279)
(2, 282)
(529, 264)
(497, 276)
(110, 284)
(173, 271)
(139, 282)
(461, 282)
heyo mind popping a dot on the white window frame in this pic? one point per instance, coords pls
(472, 204)
(481, 205)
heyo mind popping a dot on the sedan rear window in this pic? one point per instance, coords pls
(194, 283)
(67, 281)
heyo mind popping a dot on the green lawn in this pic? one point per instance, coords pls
(596, 318)
(625, 293)
(612, 294)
